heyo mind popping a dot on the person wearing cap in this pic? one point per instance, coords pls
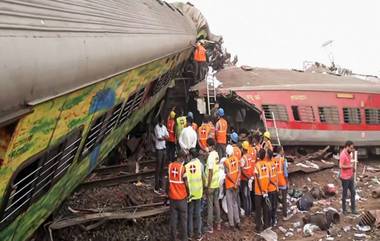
(188, 138)
(221, 132)
(195, 179)
(231, 166)
(212, 187)
(171, 142)
(161, 135)
(272, 187)
(193, 124)
(282, 171)
(178, 190)
(261, 173)
(246, 163)
(267, 144)
(235, 142)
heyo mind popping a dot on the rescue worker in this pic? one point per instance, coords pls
(193, 124)
(282, 171)
(231, 165)
(171, 142)
(203, 134)
(272, 187)
(181, 123)
(195, 176)
(212, 187)
(212, 127)
(221, 132)
(267, 144)
(200, 60)
(246, 163)
(188, 138)
(234, 141)
(178, 194)
(262, 202)
(347, 171)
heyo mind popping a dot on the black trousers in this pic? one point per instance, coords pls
(160, 162)
(261, 213)
(284, 202)
(348, 185)
(273, 196)
(170, 151)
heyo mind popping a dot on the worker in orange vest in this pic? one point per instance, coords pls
(282, 171)
(252, 150)
(200, 61)
(262, 202)
(203, 134)
(221, 133)
(235, 141)
(212, 126)
(171, 141)
(178, 190)
(246, 163)
(231, 166)
(273, 187)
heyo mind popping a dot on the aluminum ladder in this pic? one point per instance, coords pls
(211, 91)
(276, 131)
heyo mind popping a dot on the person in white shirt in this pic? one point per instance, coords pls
(161, 134)
(188, 138)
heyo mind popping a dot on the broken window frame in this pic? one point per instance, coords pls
(352, 115)
(332, 112)
(305, 113)
(279, 111)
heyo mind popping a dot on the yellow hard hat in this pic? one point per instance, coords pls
(267, 134)
(245, 145)
(172, 114)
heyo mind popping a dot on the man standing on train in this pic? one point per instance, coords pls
(200, 60)
(347, 171)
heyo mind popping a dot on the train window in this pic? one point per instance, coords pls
(159, 83)
(329, 114)
(21, 192)
(372, 116)
(127, 110)
(279, 112)
(303, 113)
(69, 151)
(139, 98)
(114, 116)
(93, 134)
(42, 171)
(352, 115)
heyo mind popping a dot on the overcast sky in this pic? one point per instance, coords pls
(283, 34)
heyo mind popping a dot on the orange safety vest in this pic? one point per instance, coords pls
(247, 169)
(232, 165)
(262, 177)
(200, 54)
(237, 152)
(221, 133)
(177, 187)
(212, 130)
(273, 185)
(203, 133)
(170, 124)
(280, 162)
(195, 126)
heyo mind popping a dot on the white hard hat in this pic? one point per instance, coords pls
(229, 150)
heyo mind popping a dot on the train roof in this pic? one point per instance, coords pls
(49, 48)
(247, 78)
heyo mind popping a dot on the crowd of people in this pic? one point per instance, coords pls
(240, 176)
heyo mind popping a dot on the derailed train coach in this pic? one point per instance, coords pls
(306, 108)
(75, 78)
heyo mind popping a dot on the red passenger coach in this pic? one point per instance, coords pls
(308, 108)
